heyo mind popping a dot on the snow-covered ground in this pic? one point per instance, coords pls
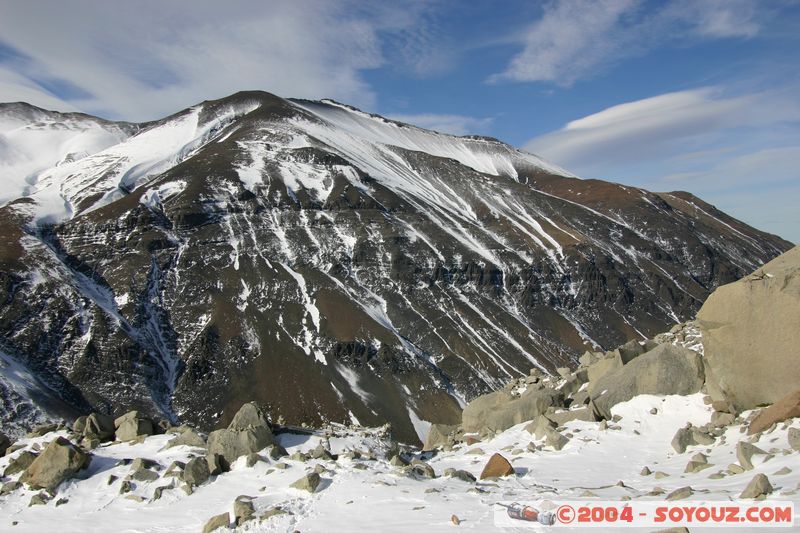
(382, 498)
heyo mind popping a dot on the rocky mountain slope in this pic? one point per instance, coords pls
(651, 421)
(327, 263)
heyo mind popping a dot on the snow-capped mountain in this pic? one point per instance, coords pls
(328, 263)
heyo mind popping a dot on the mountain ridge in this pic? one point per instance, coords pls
(336, 266)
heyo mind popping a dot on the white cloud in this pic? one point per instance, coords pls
(651, 127)
(577, 38)
(144, 60)
(454, 124)
(739, 152)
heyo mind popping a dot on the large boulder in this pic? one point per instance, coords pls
(784, 409)
(231, 444)
(497, 466)
(666, 369)
(132, 425)
(751, 333)
(249, 415)
(439, 435)
(500, 410)
(248, 432)
(59, 461)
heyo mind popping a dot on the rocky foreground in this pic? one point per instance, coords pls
(669, 418)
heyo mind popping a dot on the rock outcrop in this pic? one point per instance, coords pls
(247, 433)
(500, 410)
(751, 333)
(666, 369)
(59, 461)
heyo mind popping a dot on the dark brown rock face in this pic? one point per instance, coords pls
(332, 265)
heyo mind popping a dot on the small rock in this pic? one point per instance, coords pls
(660, 475)
(274, 511)
(421, 469)
(733, 468)
(455, 520)
(188, 437)
(497, 466)
(695, 466)
(555, 439)
(62, 501)
(745, 452)
(398, 461)
(475, 451)
(680, 494)
(143, 474)
(783, 471)
(654, 411)
(251, 459)
(10, 487)
(40, 498)
(794, 439)
(758, 486)
(645, 471)
(309, 482)
(125, 487)
(281, 466)
(159, 492)
(216, 522)
(276, 451)
(463, 475)
(243, 509)
(19, 463)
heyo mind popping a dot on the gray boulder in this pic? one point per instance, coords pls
(243, 509)
(249, 415)
(231, 444)
(751, 331)
(59, 461)
(215, 522)
(667, 369)
(794, 439)
(540, 426)
(309, 482)
(745, 452)
(758, 486)
(188, 437)
(196, 471)
(99, 426)
(19, 463)
(440, 435)
(132, 426)
(500, 410)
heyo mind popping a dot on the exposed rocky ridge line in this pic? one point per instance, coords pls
(333, 265)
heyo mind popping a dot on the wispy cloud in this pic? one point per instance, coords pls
(651, 127)
(574, 39)
(724, 148)
(454, 124)
(141, 61)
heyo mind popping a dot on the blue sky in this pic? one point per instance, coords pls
(697, 95)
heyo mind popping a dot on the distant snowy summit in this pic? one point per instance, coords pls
(328, 263)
